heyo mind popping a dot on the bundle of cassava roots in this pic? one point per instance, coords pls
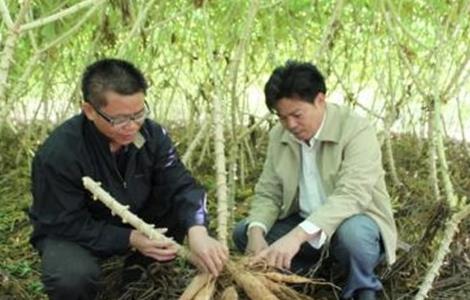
(256, 282)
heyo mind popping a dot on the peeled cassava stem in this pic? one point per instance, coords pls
(127, 216)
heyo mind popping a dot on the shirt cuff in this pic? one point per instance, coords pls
(310, 228)
(256, 224)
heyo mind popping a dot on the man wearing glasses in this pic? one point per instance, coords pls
(113, 142)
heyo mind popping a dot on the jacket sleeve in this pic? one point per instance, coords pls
(59, 209)
(175, 188)
(267, 201)
(360, 170)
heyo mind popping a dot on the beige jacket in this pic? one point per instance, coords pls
(350, 164)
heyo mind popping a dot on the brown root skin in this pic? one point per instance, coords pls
(286, 278)
(271, 285)
(252, 286)
(282, 291)
(294, 279)
(230, 293)
(196, 285)
(207, 290)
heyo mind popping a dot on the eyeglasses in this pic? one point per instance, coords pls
(122, 121)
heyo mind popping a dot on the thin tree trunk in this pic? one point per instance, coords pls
(451, 229)
(17, 91)
(390, 159)
(69, 33)
(433, 177)
(137, 26)
(329, 31)
(205, 147)
(454, 204)
(221, 173)
(60, 15)
(9, 48)
(462, 128)
(444, 168)
(6, 15)
(235, 152)
(186, 158)
(390, 117)
(219, 140)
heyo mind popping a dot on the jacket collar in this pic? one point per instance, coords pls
(330, 131)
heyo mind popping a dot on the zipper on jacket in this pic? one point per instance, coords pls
(124, 183)
(116, 169)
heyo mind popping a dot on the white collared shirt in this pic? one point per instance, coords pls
(311, 192)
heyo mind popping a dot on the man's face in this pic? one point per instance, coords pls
(118, 107)
(302, 119)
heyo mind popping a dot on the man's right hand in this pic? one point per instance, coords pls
(158, 250)
(256, 241)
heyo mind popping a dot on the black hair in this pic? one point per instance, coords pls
(300, 80)
(111, 74)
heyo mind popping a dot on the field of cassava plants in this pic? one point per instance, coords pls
(405, 65)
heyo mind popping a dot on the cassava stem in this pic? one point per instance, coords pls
(127, 216)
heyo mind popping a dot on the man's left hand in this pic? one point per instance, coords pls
(208, 254)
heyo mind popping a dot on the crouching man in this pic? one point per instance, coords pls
(322, 185)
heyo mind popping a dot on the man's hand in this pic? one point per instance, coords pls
(256, 241)
(208, 254)
(281, 252)
(158, 250)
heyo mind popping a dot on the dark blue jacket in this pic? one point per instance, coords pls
(152, 182)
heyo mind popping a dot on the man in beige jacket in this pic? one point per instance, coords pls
(322, 186)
